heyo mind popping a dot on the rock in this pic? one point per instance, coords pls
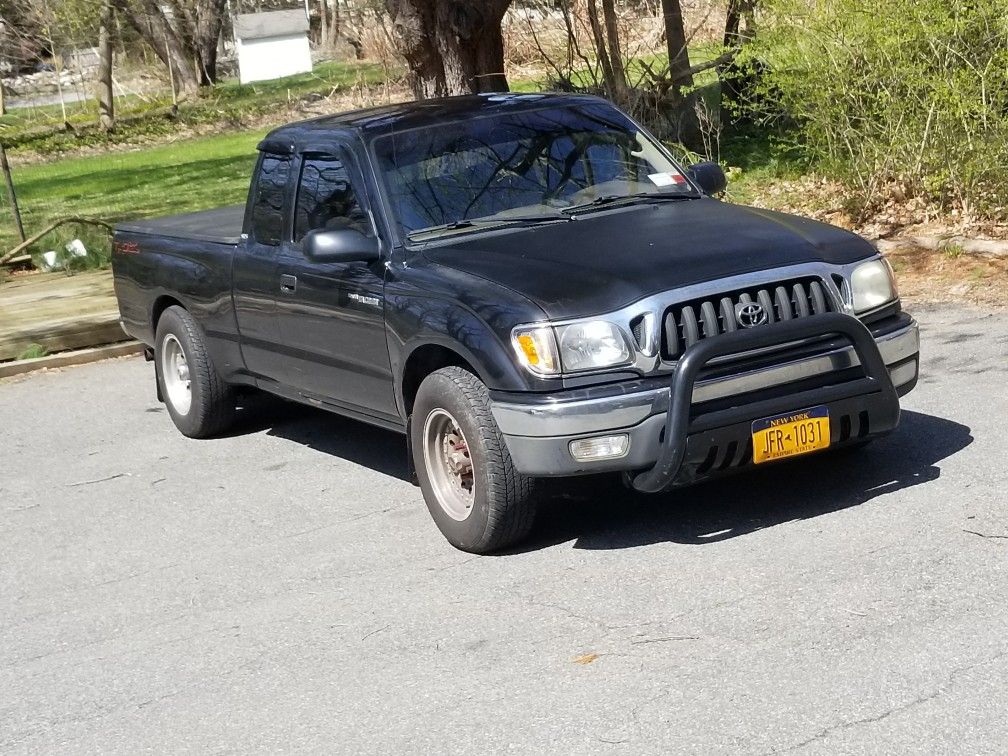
(960, 290)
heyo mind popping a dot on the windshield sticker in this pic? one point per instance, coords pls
(666, 179)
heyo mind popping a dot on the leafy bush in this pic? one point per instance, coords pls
(33, 352)
(905, 96)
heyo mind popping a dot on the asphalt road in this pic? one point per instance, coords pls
(284, 588)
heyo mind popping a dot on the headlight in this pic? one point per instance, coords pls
(573, 348)
(592, 345)
(872, 285)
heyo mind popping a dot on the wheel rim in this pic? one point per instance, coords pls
(449, 465)
(175, 374)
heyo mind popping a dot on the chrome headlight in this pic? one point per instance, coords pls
(572, 348)
(872, 285)
(592, 345)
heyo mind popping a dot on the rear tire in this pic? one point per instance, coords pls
(199, 402)
(478, 500)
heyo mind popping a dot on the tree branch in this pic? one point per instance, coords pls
(52, 227)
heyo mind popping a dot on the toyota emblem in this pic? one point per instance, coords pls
(750, 314)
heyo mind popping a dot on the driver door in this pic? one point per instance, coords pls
(331, 316)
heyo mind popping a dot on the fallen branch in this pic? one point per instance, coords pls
(988, 247)
(49, 229)
(664, 81)
(717, 62)
(16, 261)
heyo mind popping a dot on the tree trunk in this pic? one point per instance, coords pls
(330, 12)
(615, 49)
(5, 169)
(3, 99)
(149, 21)
(733, 18)
(323, 7)
(106, 97)
(675, 37)
(739, 10)
(209, 20)
(451, 46)
(601, 50)
(738, 82)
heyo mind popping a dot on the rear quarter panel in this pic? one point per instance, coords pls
(151, 271)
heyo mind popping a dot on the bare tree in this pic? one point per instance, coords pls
(605, 58)
(106, 97)
(205, 19)
(675, 38)
(185, 37)
(615, 48)
(329, 23)
(149, 21)
(451, 46)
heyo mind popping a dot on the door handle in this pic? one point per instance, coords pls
(288, 284)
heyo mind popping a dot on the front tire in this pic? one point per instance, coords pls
(478, 500)
(199, 402)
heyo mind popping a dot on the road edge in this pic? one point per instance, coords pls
(69, 359)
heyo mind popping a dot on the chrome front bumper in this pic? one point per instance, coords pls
(538, 433)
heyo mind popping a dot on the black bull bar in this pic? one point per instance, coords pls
(874, 384)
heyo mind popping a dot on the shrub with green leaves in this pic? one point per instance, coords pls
(906, 94)
(33, 352)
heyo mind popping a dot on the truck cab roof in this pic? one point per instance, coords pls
(385, 119)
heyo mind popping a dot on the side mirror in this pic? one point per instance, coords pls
(343, 246)
(709, 176)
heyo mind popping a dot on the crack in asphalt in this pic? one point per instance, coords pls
(840, 726)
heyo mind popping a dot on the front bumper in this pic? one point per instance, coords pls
(848, 373)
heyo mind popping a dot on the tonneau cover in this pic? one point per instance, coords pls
(222, 225)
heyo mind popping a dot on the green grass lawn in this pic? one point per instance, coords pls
(176, 177)
(173, 178)
(40, 129)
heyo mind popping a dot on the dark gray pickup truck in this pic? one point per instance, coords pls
(525, 286)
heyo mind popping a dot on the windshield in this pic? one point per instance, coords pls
(520, 167)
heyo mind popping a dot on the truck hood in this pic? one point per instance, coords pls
(609, 259)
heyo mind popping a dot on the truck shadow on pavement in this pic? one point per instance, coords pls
(602, 515)
(380, 450)
(599, 513)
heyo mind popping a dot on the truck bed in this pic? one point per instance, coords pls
(222, 225)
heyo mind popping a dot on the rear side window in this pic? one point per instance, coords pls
(268, 200)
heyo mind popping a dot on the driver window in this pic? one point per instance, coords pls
(608, 162)
(326, 199)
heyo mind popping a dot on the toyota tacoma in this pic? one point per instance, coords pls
(525, 286)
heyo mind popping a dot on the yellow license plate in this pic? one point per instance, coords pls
(789, 435)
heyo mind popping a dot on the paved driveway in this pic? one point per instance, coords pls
(284, 588)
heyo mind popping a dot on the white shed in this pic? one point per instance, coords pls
(272, 45)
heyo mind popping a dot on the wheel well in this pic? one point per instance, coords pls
(160, 305)
(424, 361)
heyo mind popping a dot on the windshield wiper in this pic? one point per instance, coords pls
(514, 220)
(610, 199)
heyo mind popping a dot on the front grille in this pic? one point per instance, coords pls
(684, 324)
